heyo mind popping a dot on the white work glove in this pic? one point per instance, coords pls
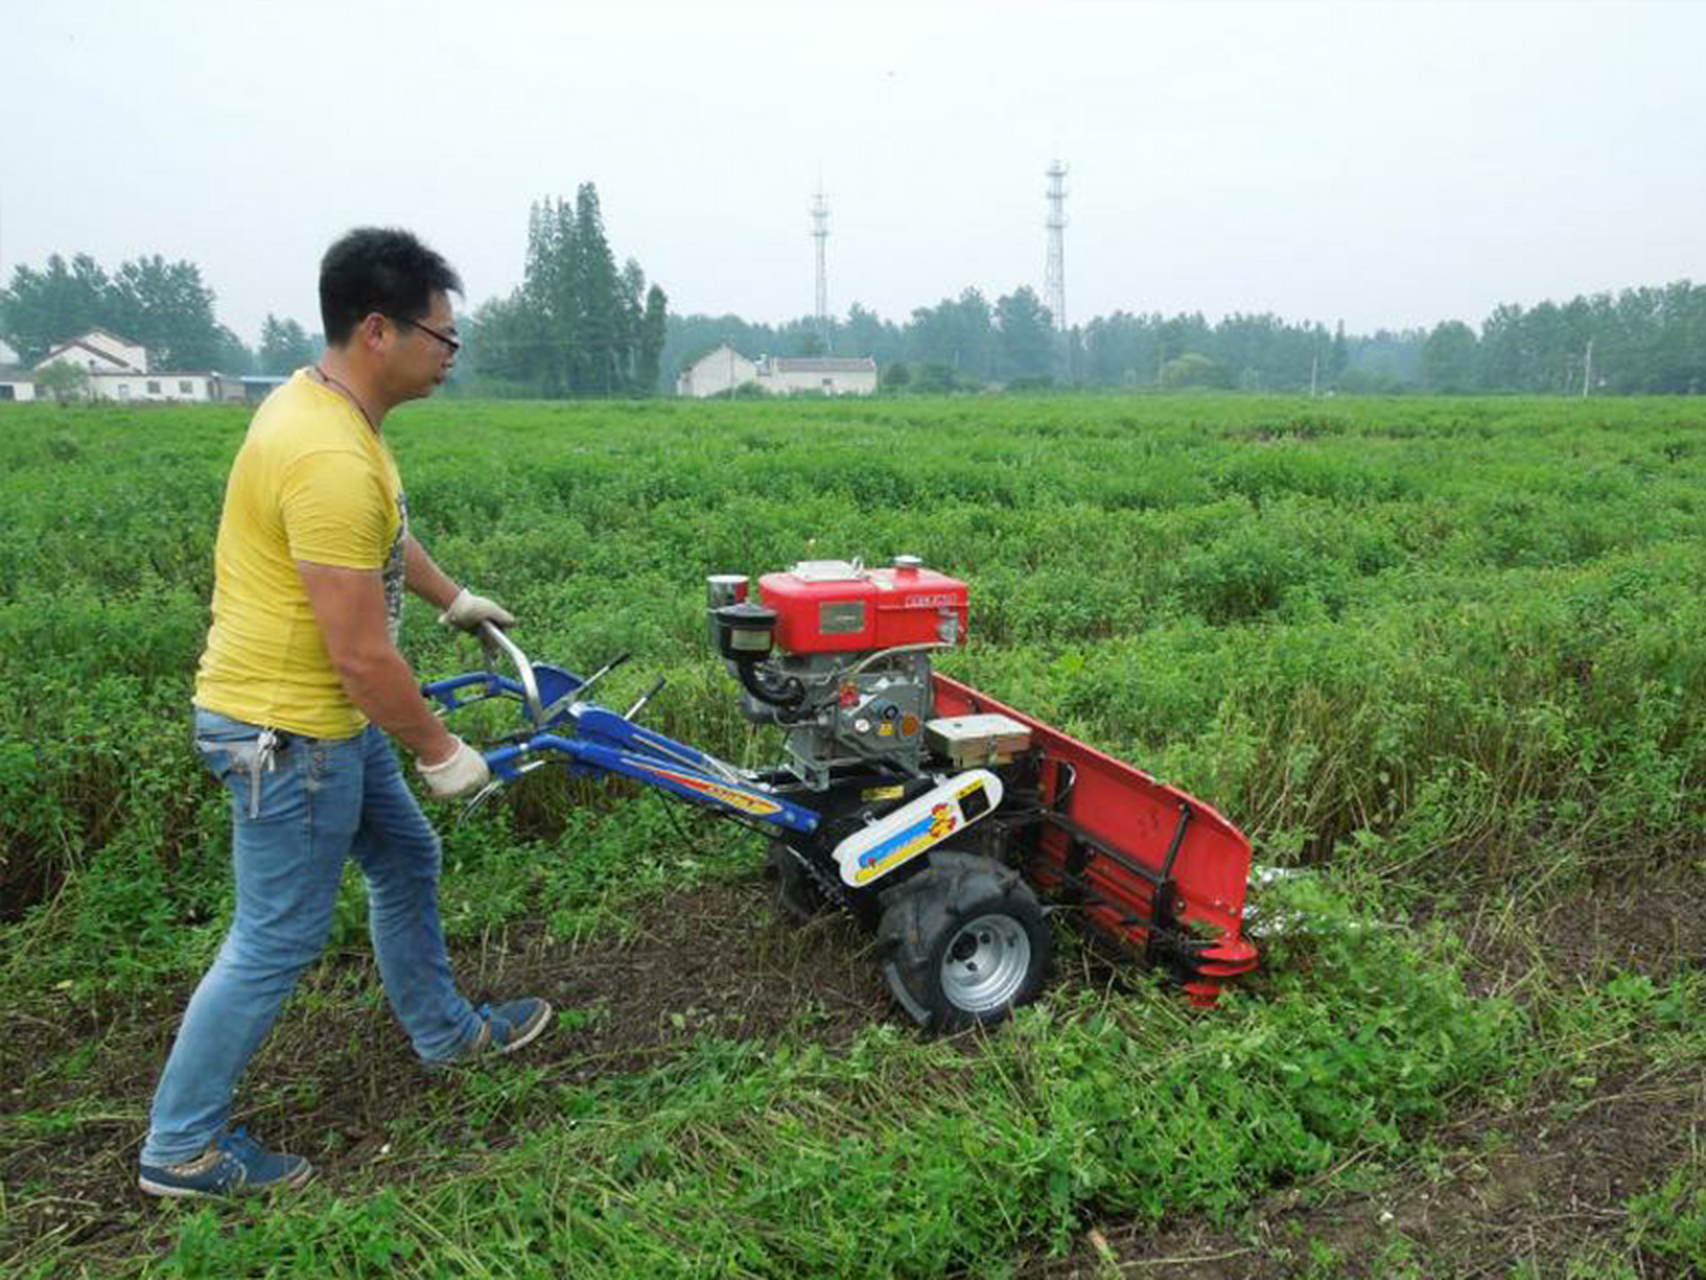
(463, 772)
(468, 611)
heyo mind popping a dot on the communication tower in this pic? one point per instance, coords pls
(820, 233)
(1054, 279)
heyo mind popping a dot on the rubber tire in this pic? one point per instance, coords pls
(794, 894)
(923, 915)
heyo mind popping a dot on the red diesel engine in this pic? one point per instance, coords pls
(840, 655)
(833, 606)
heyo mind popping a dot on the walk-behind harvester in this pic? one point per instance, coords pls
(947, 823)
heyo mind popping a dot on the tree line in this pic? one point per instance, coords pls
(1649, 340)
(1645, 341)
(164, 307)
(580, 326)
(968, 342)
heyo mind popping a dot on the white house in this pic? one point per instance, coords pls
(820, 375)
(118, 370)
(716, 374)
(725, 369)
(15, 380)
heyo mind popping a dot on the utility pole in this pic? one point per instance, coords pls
(1587, 370)
(820, 233)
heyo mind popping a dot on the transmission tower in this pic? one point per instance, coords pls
(820, 233)
(1054, 280)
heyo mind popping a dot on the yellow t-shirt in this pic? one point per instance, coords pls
(312, 481)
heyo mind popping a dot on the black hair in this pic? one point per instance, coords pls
(379, 269)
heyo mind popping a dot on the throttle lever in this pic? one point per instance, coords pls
(645, 697)
(578, 693)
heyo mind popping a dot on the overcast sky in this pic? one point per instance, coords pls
(1388, 164)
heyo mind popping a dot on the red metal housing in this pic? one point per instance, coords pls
(1122, 846)
(868, 609)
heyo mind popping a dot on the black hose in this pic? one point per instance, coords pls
(786, 693)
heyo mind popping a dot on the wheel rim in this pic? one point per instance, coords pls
(985, 963)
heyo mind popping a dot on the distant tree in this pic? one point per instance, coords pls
(163, 306)
(1448, 357)
(1361, 382)
(1074, 356)
(630, 310)
(1120, 350)
(810, 343)
(577, 326)
(865, 334)
(550, 300)
(896, 377)
(1027, 336)
(166, 307)
(935, 379)
(958, 333)
(1030, 384)
(232, 357)
(285, 347)
(1386, 359)
(64, 381)
(41, 309)
(599, 331)
(653, 324)
(503, 347)
(1341, 357)
(1193, 369)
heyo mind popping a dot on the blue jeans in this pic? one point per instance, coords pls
(323, 800)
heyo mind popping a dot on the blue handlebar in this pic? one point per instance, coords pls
(590, 739)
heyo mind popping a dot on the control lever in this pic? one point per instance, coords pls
(645, 697)
(578, 693)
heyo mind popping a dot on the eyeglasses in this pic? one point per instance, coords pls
(453, 344)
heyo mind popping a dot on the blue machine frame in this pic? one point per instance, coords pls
(591, 740)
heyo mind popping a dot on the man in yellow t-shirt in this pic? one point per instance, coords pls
(298, 687)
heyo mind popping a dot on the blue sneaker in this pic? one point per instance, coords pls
(507, 1027)
(234, 1163)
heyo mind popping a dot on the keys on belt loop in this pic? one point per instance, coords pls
(266, 748)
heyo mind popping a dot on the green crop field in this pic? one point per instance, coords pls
(1444, 658)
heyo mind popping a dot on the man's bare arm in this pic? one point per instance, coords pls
(349, 605)
(462, 608)
(423, 576)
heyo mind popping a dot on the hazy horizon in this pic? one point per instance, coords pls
(1390, 165)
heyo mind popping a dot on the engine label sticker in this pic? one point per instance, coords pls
(932, 828)
(841, 617)
(734, 798)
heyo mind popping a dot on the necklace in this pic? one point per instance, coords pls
(328, 380)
